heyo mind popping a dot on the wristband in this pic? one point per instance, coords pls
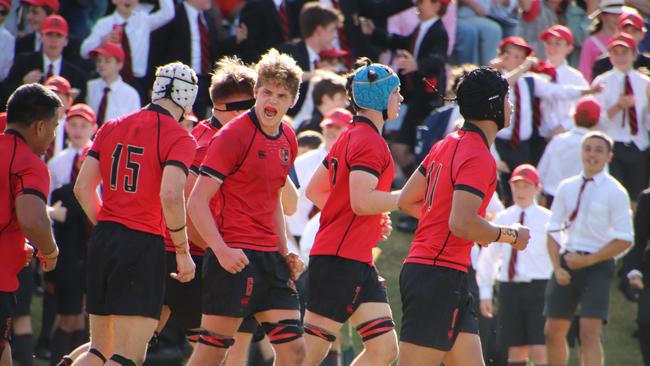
(52, 255)
(176, 230)
(507, 235)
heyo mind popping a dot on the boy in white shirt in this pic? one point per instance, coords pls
(561, 158)
(558, 45)
(130, 27)
(109, 95)
(71, 231)
(591, 224)
(522, 274)
(625, 117)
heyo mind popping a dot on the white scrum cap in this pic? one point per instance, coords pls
(177, 82)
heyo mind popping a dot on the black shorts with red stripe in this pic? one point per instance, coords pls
(336, 286)
(436, 306)
(264, 284)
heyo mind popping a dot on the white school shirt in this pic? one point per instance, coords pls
(604, 213)
(7, 50)
(561, 159)
(544, 90)
(305, 166)
(424, 28)
(60, 167)
(138, 30)
(122, 99)
(533, 263)
(56, 65)
(613, 82)
(562, 109)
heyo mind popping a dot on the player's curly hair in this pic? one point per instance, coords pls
(231, 77)
(279, 69)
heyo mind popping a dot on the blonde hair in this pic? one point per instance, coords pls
(279, 69)
(231, 77)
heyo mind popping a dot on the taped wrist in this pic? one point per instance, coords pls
(507, 235)
(95, 351)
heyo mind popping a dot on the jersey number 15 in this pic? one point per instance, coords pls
(130, 184)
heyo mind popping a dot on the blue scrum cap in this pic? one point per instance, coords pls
(372, 86)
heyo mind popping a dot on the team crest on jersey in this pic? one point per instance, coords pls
(284, 156)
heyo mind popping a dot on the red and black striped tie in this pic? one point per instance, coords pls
(127, 69)
(284, 20)
(205, 46)
(574, 214)
(512, 264)
(631, 111)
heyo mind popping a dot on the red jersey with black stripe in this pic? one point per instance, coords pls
(132, 151)
(342, 233)
(21, 172)
(203, 132)
(253, 168)
(461, 161)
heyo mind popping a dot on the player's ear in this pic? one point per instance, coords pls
(38, 128)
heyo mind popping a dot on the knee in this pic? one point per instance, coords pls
(554, 333)
(589, 336)
(294, 354)
(383, 353)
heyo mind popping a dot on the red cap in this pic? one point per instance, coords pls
(332, 52)
(6, 4)
(558, 31)
(588, 109)
(337, 117)
(109, 49)
(58, 84)
(83, 111)
(632, 19)
(525, 172)
(54, 24)
(52, 4)
(516, 41)
(622, 39)
(3, 121)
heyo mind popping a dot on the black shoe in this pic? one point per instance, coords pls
(42, 350)
(407, 224)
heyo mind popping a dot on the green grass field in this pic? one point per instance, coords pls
(621, 348)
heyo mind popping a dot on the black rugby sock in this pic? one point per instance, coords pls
(22, 349)
(61, 345)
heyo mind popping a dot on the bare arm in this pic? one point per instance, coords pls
(412, 195)
(365, 199)
(192, 233)
(318, 189)
(289, 197)
(281, 227)
(465, 223)
(35, 224)
(173, 204)
(85, 188)
(609, 251)
(198, 207)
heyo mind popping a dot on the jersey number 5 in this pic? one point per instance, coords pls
(130, 185)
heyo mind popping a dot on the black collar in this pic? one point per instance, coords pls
(469, 126)
(364, 119)
(11, 131)
(157, 108)
(214, 122)
(253, 117)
